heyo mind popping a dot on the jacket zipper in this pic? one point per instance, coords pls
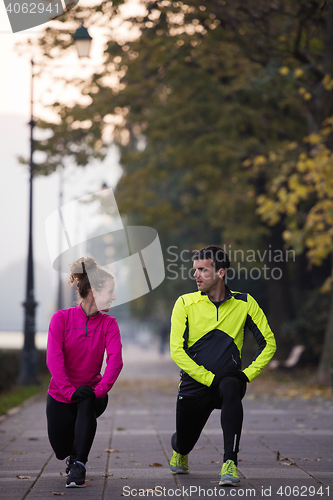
(87, 326)
(217, 309)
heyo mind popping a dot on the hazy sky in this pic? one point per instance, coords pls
(14, 134)
(14, 140)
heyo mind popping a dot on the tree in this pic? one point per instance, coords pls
(303, 195)
(199, 90)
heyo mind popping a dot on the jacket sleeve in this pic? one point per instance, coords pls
(55, 355)
(256, 321)
(114, 361)
(178, 346)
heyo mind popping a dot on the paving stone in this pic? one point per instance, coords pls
(285, 450)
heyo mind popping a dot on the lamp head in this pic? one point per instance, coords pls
(82, 41)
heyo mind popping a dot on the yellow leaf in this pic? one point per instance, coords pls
(246, 163)
(298, 73)
(284, 70)
(259, 160)
(328, 82)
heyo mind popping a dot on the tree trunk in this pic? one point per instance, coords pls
(323, 108)
(326, 360)
(280, 304)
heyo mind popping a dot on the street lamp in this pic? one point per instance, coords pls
(82, 41)
(28, 368)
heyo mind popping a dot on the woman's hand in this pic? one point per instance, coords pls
(83, 392)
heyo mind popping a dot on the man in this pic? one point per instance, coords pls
(207, 332)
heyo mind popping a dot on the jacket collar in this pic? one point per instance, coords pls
(84, 315)
(228, 294)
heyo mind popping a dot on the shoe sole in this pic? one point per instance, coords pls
(179, 471)
(228, 482)
(74, 485)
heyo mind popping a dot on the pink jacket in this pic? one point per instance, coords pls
(75, 350)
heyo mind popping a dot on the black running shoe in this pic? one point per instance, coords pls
(70, 461)
(77, 476)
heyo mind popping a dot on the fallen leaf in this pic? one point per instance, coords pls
(155, 464)
(23, 477)
(33, 439)
(121, 428)
(213, 462)
(18, 452)
(110, 450)
(107, 474)
(123, 477)
(57, 493)
(198, 448)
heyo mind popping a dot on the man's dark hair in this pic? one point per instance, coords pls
(219, 256)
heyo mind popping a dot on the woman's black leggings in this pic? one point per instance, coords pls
(193, 413)
(72, 426)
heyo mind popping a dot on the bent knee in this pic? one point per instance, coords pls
(230, 388)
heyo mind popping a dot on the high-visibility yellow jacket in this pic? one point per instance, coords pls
(206, 339)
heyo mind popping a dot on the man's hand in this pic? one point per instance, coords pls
(229, 372)
(83, 392)
(241, 376)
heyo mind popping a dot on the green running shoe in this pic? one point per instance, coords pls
(179, 463)
(229, 474)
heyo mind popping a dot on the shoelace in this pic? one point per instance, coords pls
(230, 469)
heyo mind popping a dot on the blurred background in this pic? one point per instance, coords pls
(212, 122)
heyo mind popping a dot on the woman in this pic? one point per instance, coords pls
(77, 340)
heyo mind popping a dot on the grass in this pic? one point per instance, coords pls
(18, 394)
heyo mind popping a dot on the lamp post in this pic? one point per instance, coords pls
(28, 368)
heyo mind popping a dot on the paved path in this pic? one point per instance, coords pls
(286, 446)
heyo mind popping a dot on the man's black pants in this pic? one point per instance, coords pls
(72, 426)
(193, 413)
